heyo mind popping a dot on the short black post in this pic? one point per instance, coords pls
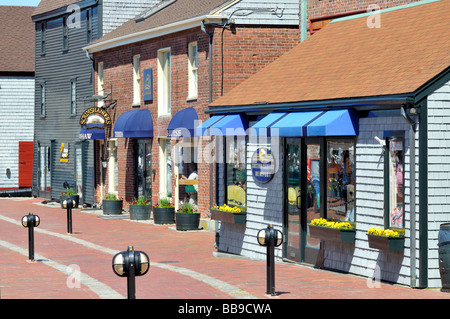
(68, 204)
(30, 221)
(131, 277)
(270, 238)
(131, 263)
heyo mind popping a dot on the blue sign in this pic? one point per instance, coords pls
(263, 165)
(148, 84)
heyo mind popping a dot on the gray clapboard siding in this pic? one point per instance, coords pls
(438, 174)
(57, 67)
(116, 12)
(16, 124)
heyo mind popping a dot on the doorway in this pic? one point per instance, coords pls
(303, 171)
(144, 169)
(45, 170)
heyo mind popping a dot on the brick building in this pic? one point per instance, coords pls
(169, 63)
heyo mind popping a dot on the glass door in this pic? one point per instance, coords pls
(44, 173)
(303, 200)
(293, 200)
(144, 169)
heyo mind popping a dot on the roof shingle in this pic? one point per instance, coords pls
(16, 39)
(347, 59)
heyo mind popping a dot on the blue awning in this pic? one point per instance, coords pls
(92, 134)
(334, 123)
(183, 123)
(134, 124)
(308, 123)
(224, 125)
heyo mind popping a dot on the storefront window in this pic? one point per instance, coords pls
(236, 172)
(341, 180)
(395, 184)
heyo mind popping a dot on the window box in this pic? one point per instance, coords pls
(332, 234)
(394, 244)
(228, 217)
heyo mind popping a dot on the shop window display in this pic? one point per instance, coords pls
(341, 180)
(395, 167)
(236, 172)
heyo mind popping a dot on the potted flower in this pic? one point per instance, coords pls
(164, 212)
(140, 209)
(228, 214)
(187, 218)
(386, 239)
(70, 193)
(112, 205)
(337, 231)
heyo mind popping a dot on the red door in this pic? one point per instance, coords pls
(25, 164)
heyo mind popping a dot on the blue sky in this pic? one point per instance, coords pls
(19, 2)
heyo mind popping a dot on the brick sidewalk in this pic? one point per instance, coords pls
(184, 265)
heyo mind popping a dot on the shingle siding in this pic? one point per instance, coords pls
(16, 124)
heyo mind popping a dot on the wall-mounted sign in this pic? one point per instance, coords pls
(95, 118)
(64, 153)
(148, 84)
(263, 165)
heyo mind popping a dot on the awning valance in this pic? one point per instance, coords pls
(183, 123)
(92, 134)
(134, 124)
(224, 125)
(343, 122)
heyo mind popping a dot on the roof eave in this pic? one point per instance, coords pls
(153, 33)
(360, 103)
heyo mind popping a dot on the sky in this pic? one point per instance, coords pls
(32, 3)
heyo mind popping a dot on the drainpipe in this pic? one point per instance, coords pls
(412, 201)
(209, 57)
(303, 20)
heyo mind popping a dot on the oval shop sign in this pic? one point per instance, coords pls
(263, 165)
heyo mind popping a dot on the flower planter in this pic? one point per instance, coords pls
(164, 215)
(332, 234)
(227, 217)
(112, 207)
(140, 212)
(75, 198)
(187, 221)
(394, 244)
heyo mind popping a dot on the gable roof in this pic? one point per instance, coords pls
(168, 12)
(16, 39)
(347, 59)
(50, 5)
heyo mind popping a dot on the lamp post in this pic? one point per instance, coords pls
(270, 238)
(30, 221)
(131, 263)
(69, 204)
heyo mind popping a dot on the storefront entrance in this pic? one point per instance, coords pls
(303, 200)
(144, 169)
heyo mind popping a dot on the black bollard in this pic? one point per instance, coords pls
(30, 221)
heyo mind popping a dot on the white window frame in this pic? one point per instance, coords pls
(164, 144)
(100, 85)
(164, 82)
(42, 99)
(136, 80)
(193, 70)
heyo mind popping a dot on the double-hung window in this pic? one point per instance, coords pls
(43, 36)
(88, 26)
(164, 82)
(192, 69)
(65, 44)
(136, 80)
(100, 86)
(73, 96)
(42, 98)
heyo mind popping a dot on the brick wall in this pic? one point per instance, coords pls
(244, 50)
(325, 8)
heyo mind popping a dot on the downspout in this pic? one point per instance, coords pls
(303, 19)
(209, 57)
(423, 199)
(412, 177)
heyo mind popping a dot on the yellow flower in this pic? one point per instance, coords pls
(383, 232)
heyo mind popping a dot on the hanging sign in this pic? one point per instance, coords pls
(263, 165)
(95, 117)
